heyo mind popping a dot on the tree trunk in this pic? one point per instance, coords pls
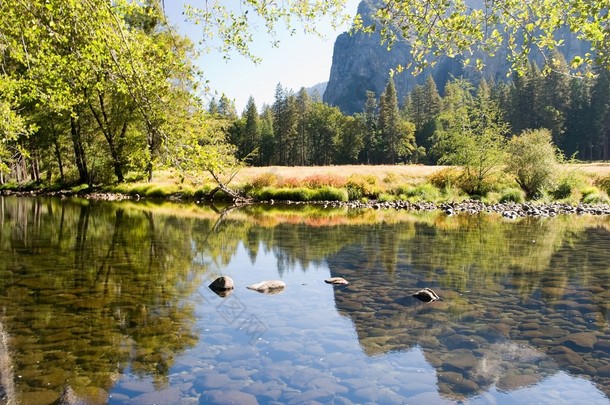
(79, 151)
(59, 161)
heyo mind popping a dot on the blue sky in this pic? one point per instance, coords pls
(300, 60)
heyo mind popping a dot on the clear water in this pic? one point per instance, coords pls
(108, 303)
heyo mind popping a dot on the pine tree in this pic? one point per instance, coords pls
(369, 151)
(555, 97)
(397, 138)
(303, 105)
(599, 143)
(252, 130)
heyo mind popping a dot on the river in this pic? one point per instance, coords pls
(108, 302)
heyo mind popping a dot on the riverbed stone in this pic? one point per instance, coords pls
(459, 361)
(227, 397)
(514, 381)
(582, 341)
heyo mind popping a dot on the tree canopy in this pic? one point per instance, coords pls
(436, 28)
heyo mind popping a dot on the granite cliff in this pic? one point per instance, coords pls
(361, 63)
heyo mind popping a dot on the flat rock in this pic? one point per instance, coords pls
(268, 287)
(336, 281)
(579, 341)
(222, 397)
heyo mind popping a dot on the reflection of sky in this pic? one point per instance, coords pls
(560, 388)
(304, 338)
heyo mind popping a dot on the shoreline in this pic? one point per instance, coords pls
(509, 210)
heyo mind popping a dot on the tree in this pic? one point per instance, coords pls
(470, 134)
(532, 160)
(396, 137)
(114, 71)
(324, 126)
(422, 109)
(438, 28)
(252, 130)
(371, 141)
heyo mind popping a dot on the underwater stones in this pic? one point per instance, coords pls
(582, 341)
(268, 287)
(224, 397)
(222, 285)
(460, 360)
(336, 281)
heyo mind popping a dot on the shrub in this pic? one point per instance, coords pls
(568, 184)
(532, 160)
(604, 183)
(264, 180)
(330, 194)
(363, 186)
(598, 197)
(445, 178)
(321, 180)
(515, 195)
(421, 192)
(283, 194)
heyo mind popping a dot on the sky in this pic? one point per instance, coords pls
(302, 60)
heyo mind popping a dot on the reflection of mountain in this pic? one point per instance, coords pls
(491, 336)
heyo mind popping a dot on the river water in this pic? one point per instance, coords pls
(108, 303)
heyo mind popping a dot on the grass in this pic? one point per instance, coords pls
(575, 183)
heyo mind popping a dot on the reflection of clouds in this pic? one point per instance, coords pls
(505, 365)
(560, 388)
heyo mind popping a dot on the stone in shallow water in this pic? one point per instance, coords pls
(460, 360)
(516, 381)
(582, 341)
(167, 396)
(221, 397)
(268, 287)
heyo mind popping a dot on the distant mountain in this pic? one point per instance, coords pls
(317, 90)
(361, 63)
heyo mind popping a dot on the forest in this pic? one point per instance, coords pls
(299, 129)
(99, 92)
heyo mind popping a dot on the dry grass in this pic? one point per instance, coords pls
(385, 173)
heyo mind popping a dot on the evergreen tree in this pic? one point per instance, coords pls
(388, 122)
(303, 103)
(267, 139)
(555, 97)
(599, 143)
(578, 119)
(252, 130)
(369, 152)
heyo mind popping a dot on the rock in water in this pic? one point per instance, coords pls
(268, 287)
(223, 283)
(427, 295)
(336, 281)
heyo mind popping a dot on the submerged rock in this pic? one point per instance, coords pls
(336, 281)
(268, 287)
(427, 295)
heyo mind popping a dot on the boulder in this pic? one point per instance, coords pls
(222, 283)
(268, 287)
(336, 281)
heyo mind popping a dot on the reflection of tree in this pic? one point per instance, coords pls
(100, 288)
(482, 267)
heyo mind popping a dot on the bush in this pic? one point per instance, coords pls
(330, 194)
(363, 186)
(604, 183)
(532, 160)
(420, 192)
(568, 185)
(598, 197)
(515, 195)
(283, 194)
(447, 177)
